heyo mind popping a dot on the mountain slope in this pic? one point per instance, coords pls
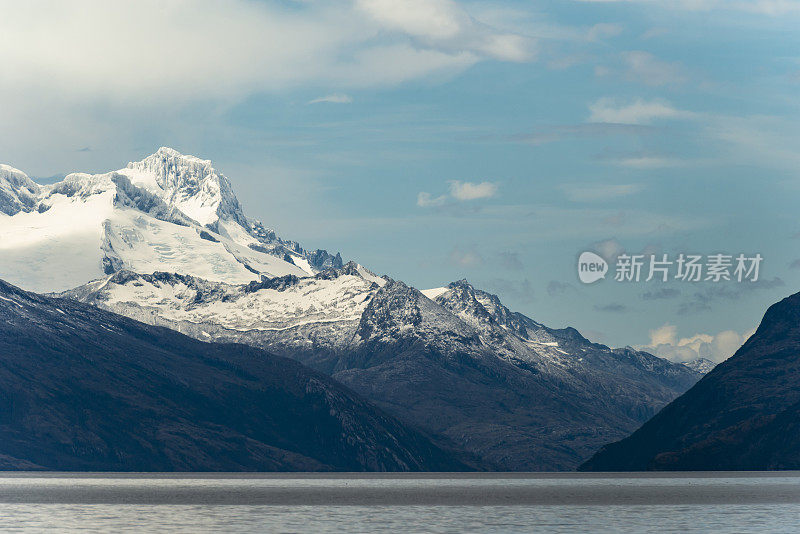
(167, 212)
(511, 391)
(85, 389)
(516, 394)
(743, 415)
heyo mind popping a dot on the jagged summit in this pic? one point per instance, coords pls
(484, 310)
(171, 152)
(168, 212)
(190, 184)
(17, 191)
(193, 186)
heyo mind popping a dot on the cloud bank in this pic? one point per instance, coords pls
(599, 192)
(335, 98)
(459, 192)
(762, 7)
(135, 51)
(664, 342)
(639, 111)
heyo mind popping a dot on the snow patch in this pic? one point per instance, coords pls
(435, 292)
(368, 275)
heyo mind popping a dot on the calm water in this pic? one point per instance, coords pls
(750, 502)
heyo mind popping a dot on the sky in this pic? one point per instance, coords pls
(435, 140)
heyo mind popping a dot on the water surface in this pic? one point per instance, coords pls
(674, 502)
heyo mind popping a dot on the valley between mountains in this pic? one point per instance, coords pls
(164, 241)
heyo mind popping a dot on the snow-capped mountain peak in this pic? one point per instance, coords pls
(197, 189)
(168, 212)
(188, 183)
(484, 310)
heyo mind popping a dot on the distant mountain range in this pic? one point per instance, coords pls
(86, 389)
(165, 241)
(743, 415)
(461, 366)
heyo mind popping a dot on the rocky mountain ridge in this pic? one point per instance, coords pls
(404, 351)
(743, 415)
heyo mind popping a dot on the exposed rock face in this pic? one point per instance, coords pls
(86, 389)
(743, 415)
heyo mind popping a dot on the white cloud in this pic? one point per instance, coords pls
(600, 71)
(598, 192)
(646, 162)
(770, 7)
(137, 51)
(334, 98)
(429, 19)
(609, 249)
(765, 7)
(756, 139)
(654, 32)
(765, 140)
(465, 258)
(425, 200)
(472, 191)
(603, 30)
(664, 342)
(646, 68)
(642, 160)
(639, 111)
(445, 25)
(458, 192)
(664, 335)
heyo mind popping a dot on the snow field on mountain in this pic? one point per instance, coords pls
(310, 301)
(58, 249)
(146, 245)
(177, 214)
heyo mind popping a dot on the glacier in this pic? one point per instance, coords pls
(168, 212)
